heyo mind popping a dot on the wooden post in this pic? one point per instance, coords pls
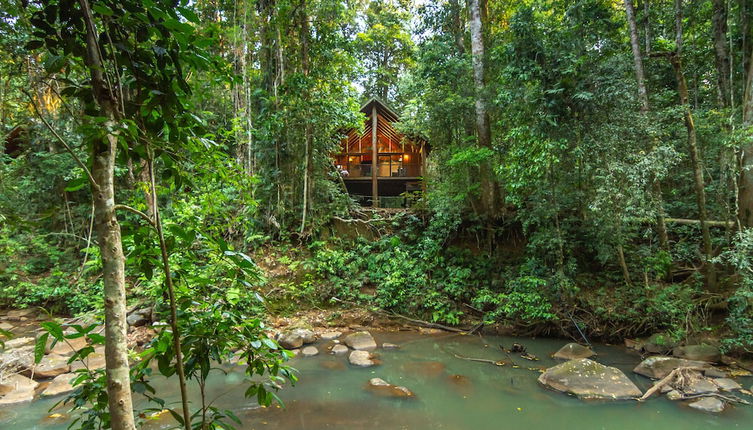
(374, 158)
(423, 168)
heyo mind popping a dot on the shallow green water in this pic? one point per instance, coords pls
(331, 395)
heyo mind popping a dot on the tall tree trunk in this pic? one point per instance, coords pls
(745, 186)
(678, 27)
(696, 163)
(640, 77)
(647, 25)
(721, 51)
(308, 129)
(483, 128)
(110, 243)
(637, 59)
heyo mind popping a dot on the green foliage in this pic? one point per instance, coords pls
(525, 300)
(740, 319)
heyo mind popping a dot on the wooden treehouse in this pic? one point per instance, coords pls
(381, 167)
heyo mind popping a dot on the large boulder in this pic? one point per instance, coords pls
(18, 342)
(17, 359)
(573, 351)
(68, 347)
(93, 361)
(727, 384)
(588, 379)
(660, 366)
(700, 385)
(698, 353)
(382, 388)
(361, 341)
(296, 338)
(60, 385)
(708, 404)
(51, 366)
(17, 389)
(362, 359)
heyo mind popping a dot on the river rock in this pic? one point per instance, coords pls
(309, 351)
(93, 361)
(18, 342)
(660, 366)
(17, 359)
(60, 385)
(51, 366)
(659, 343)
(698, 353)
(382, 388)
(700, 385)
(68, 347)
(6, 326)
(331, 335)
(708, 404)
(588, 379)
(573, 351)
(339, 349)
(20, 313)
(674, 395)
(387, 345)
(361, 359)
(296, 338)
(139, 317)
(361, 341)
(18, 389)
(727, 384)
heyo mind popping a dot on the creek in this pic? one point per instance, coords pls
(451, 393)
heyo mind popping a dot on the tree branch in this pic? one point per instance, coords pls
(137, 212)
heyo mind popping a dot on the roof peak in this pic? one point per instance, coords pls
(381, 107)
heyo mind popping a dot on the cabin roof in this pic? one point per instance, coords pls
(382, 109)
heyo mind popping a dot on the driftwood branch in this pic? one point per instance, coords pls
(686, 221)
(664, 381)
(481, 360)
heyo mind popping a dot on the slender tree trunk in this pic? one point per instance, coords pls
(179, 367)
(308, 129)
(678, 27)
(483, 128)
(745, 186)
(640, 77)
(623, 265)
(697, 166)
(721, 51)
(661, 225)
(110, 243)
(637, 59)
(647, 25)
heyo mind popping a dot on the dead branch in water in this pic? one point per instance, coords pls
(418, 322)
(729, 399)
(481, 360)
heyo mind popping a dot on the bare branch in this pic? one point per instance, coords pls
(137, 212)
